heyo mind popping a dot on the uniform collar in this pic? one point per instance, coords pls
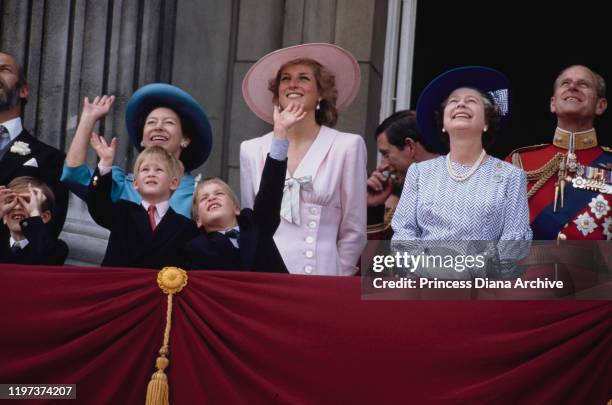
(582, 140)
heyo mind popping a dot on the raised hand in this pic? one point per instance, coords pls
(98, 108)
(288, 117)
(34, 202)
(105, 152)
(92, 112)
(379, 187)
(8, 200)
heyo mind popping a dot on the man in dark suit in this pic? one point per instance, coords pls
(234, 239)
(20, 153)
(400, 144)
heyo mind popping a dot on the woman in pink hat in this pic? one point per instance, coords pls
(299, 90)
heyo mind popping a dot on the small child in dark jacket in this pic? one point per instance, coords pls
(25, 206)
(150, 234)
(231, 239)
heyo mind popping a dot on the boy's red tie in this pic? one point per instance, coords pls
(151, 211)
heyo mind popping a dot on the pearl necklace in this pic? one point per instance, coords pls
(466, 175)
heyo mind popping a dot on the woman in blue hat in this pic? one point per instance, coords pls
(156, 114)
(466, 194)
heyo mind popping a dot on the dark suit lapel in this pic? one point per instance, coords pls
(219, 242)
(141, 218)
(11, 162)
(248, 240)
(167, 228)
(215, 251)
(206, 245)
(24, 255)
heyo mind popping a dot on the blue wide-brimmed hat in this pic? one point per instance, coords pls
(485, 79)
(192, 115)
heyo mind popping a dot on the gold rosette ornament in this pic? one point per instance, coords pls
(171, 280)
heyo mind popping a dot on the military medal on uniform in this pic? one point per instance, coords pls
(584, 177)
(593, 179)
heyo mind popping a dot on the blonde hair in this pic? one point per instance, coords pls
(173, 165)
(21, 184)
(211, 180)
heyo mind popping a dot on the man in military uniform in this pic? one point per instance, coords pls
(570, 180)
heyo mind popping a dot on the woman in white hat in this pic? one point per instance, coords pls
(323, 225)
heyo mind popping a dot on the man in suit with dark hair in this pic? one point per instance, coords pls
(400, 143)
(21, 154)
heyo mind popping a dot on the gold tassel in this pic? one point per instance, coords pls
(171, 280)
(158, 390)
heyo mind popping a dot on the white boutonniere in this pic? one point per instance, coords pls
(21, 148)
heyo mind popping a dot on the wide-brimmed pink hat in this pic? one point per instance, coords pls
(340, 62)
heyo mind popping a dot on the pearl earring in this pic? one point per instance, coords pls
(184, 145)
(485, 128)
(318, 105)
(142, 144)
(443, 129)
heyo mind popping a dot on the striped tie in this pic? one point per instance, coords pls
(5, 137)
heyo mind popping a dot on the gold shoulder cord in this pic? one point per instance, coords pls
(542, 174)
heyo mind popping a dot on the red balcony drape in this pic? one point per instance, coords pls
(265, 338)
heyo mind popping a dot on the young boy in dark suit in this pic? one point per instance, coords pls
(25, 206)
(150, 234)
(231, 239)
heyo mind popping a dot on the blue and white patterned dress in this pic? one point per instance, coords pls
(490, 205)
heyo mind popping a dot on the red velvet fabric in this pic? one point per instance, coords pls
(263, 339)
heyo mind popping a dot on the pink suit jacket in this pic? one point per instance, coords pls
(332, 230)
